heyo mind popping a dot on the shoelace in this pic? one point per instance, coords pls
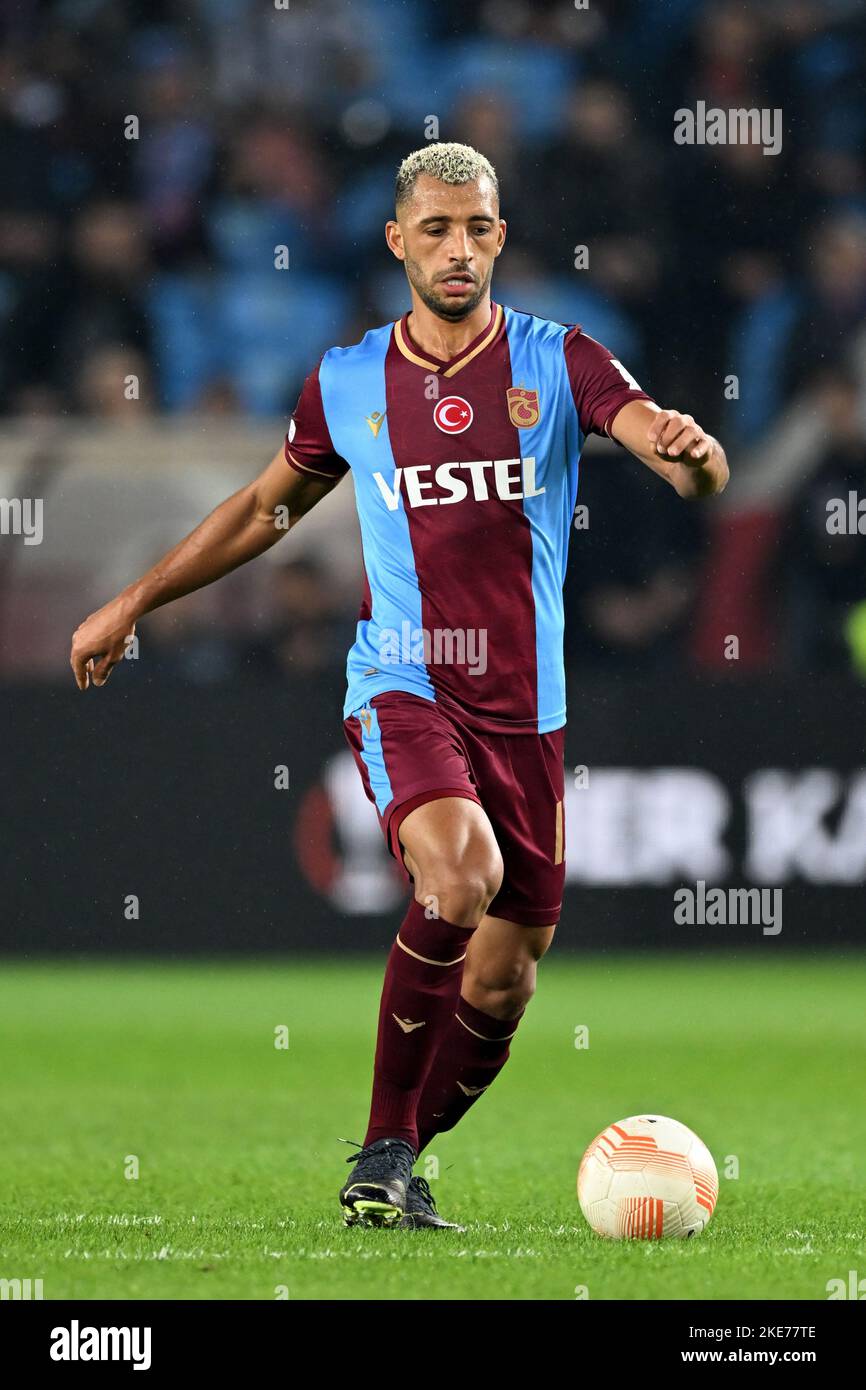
(370, 1152)
(423, 1186)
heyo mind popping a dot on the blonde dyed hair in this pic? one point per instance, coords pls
(450, 163)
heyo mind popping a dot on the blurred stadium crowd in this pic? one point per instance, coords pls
(260, 126)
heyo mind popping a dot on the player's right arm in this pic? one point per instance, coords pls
(245, 525)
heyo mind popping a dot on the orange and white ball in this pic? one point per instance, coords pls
(647, 1177)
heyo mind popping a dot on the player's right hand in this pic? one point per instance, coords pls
(98, 644)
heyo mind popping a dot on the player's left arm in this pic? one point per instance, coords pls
(672, 445)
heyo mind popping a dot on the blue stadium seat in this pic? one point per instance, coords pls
(389, 290)
(273, 327)
(361, 210)
(244, 233)
(180, 309)
(758, 341)
(534, 77)
(563, 301)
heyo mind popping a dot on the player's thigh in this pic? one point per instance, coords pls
(446, 842)
(408, 754)
(521, 783)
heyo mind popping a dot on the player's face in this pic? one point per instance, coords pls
(448, 236)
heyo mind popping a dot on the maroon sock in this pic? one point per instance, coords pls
(421, 989)
(473, 1052)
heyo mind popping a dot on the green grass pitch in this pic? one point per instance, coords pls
(239, 1165)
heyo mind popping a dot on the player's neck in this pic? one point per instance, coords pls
(441, 338)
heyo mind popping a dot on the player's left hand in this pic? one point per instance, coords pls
(677, 438)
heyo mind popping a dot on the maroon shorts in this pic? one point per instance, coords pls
(409, 751)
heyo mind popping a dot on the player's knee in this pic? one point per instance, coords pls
(466, 897)
(462, 891)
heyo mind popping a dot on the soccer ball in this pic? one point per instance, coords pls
(647, 1177)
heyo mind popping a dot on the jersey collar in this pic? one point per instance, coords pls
(409, 348)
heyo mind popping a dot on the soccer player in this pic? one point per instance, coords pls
(462, 425)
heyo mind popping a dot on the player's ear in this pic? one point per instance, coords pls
(503, 228)
(394, 238)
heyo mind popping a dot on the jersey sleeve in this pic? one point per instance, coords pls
(309, 447)
(600, 384)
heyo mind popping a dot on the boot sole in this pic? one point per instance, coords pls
(366, 1212)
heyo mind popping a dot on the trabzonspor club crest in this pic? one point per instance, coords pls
(523, 409)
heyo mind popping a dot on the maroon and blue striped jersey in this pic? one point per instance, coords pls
(465, 477)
